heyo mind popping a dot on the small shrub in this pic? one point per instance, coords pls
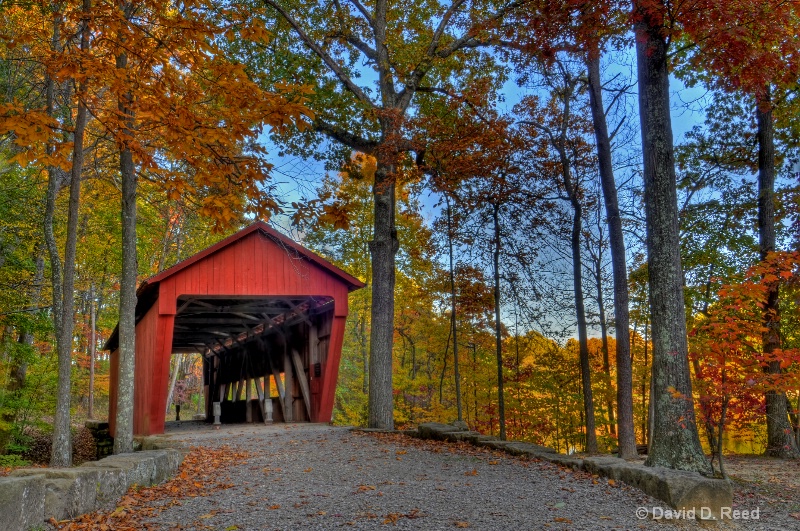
(12, 461)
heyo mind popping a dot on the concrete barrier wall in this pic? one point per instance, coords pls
(31, 496)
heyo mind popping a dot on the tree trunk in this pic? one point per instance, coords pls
(501, 402)
(626, 432)
(92, 348)
(444, 367)
(172, 381)
(453, 323)
(62, 440)
(675, 442)
(383, 249)
(780, 439)
(601, 309)
(797, 421)
(572, 190)
(123, 437)
(583, 335)
(362, 343)
(63, 277)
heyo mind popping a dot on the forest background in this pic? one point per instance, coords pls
(477, 127)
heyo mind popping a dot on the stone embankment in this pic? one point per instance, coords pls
(678, 489)
(29, 497)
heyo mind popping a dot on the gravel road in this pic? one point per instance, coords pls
(311, 476)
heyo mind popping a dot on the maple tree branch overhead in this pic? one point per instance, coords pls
(363, 10)
(350, 37)
(319, 52)
(350, 140)
(467, 40)
(440, 29)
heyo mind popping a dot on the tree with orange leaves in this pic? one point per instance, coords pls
(472, 156)
(428, 47)
(753, 48)
(750, 46)
(160, 87)
(732, 360)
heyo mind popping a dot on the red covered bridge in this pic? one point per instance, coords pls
(266, 314)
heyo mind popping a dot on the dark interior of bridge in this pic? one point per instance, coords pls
(262, 356)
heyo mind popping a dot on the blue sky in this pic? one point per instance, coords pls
(296, 177)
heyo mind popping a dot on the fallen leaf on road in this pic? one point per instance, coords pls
(199, 475)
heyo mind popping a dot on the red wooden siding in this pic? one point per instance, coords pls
(234, 270)
(330, 370)
(151, 372)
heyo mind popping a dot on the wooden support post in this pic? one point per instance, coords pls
(313, 345)
(301, 379)
(211, 395)
(248, 396)
(278, 384)
(314, 366)
(288, 400)
(260, 392)
(239, 386)
(222, 391)
(267, 406)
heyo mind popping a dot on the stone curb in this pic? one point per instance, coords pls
(677, 488)
(31, 496)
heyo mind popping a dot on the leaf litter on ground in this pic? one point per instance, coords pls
(200, 474)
